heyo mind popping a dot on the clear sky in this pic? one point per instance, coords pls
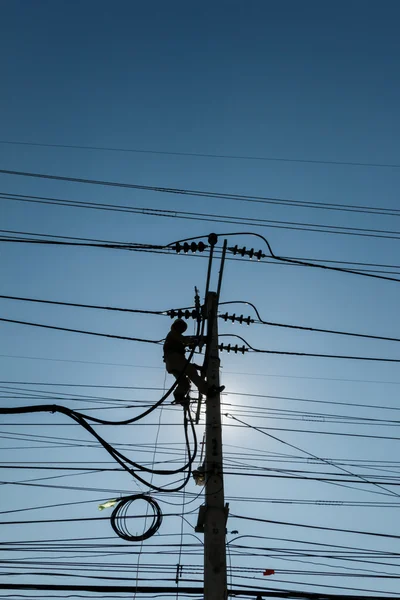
(276, 100)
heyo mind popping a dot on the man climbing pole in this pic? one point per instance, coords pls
(175, 362)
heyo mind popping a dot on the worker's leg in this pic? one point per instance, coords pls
(175, 364)
(198, 381)
(183, 387)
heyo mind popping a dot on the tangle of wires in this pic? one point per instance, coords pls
(119, 518)
(126, 463)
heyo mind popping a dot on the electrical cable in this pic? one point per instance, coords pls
(82, 331)
(304, 263)
(200, 193)
(258, 350)
(203, 155)
(122, 460)
(308, 354)
(208, 217)
(119, 518)
(352, 531)
(166, 250)
(303, 328)
(95, 306)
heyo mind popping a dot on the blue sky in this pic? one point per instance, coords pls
(169, 82)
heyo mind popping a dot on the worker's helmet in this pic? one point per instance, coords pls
(179, 325)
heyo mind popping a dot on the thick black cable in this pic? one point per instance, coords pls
(250, 591)
(118, 518)
(122, 460)
(81, 420)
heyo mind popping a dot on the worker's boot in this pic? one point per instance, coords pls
(213, 390)
(179, 397)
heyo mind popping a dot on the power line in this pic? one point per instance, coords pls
(168, 249)
(210, 217)
(308, 354)
(108, 335)
(164, 313)
(60, 240)
(204, 155)
(132, 365)
(251, 591)
(352, 531)
(96, 306)
(302, 328)
(319, 459)
(201, 193)
(134, 339)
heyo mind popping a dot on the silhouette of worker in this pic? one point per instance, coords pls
(175, 362)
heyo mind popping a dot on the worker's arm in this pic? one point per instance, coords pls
(192, 340)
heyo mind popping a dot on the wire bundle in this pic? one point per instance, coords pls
(119, 518)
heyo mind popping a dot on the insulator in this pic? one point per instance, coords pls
(212, 239)
(202, 246)
(186, 247)
(177, 247)
(259, 255)
(234, 349)
(242, 251)
(251, 253)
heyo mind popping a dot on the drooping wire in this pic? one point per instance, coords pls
(304, 263)
(123, 461)
(309, 354)
(303, 328)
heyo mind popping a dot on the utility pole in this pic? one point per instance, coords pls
(215, 512)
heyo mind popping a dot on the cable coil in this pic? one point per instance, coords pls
(119, 518)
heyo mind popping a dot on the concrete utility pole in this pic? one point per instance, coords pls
(214, 511)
